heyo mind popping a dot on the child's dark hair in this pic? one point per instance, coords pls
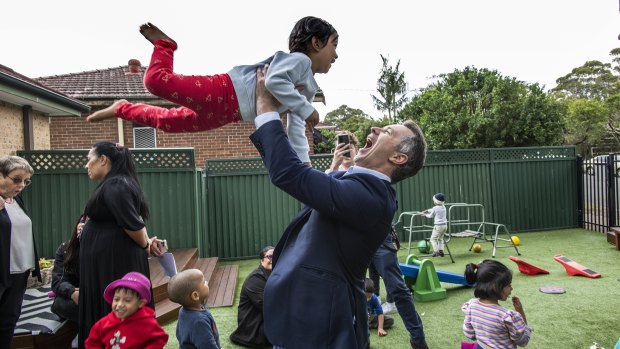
(490, 277)
(307, 28)
(128, 290)
(369, 286)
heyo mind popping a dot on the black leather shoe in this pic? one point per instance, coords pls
(418, 346)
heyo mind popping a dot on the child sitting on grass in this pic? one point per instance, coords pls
(491, 325)
(376, 319)
(196, 327)
(130, 324)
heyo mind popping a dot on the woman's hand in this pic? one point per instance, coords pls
(156, 247)
(340, 158)
(75, 295)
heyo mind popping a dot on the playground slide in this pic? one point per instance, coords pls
(411, 270)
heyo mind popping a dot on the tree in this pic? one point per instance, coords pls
(392, 89)
(479, 108)
(350, 119)
(598, 83)
(584, 122)
(342, 113)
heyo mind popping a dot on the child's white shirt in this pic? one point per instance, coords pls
(439, 213)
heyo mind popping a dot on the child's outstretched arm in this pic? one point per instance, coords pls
(516, 303)
(380, 331)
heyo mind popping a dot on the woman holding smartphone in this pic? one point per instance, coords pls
(346, 149)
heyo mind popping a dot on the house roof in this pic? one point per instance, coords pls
(21, 90)
(110, 83)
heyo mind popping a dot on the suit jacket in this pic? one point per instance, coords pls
(314, 297)
(5, 246)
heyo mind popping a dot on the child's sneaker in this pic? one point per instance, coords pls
(441, 253)
(436, 254)
(388, 308)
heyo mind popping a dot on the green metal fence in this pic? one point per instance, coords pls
(61, 187)
(231, 210)
(524, 188)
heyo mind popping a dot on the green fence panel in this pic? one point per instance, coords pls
(535, 188)
(61, 187)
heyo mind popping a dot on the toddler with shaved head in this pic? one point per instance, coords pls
(196, 326)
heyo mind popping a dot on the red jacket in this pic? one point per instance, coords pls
(139, 331)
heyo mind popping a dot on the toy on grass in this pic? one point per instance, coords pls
(573, 268)
(424, 246)
(527, 268)
(515, 240)
(552, 289)
(423, 278)
(477, 248)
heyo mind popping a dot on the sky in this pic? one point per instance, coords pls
(536, 41)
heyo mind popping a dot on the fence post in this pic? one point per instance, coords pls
(580, 188)
(611, 191)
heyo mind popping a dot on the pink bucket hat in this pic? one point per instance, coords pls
(133, 281)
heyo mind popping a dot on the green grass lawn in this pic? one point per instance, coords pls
(588, 312)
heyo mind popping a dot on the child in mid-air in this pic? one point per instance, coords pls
(131, 324)
(491, 325)
(196, 327)
(376, 319)
(440, 224)
(209, 102)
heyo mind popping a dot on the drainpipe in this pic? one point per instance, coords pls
(121, 131)
(28, 127)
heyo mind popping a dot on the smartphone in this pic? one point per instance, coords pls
(344, 138)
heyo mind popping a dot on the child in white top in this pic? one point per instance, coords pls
(440, 223)
(208, 102)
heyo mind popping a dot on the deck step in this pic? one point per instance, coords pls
(184, 258)
(222, 286)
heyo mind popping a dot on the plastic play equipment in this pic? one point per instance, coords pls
(423, 279)
(573, 268)
(527, 268)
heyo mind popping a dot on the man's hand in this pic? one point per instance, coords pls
(265, 102)
(313, 119)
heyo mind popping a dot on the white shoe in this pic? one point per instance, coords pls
(388, 308)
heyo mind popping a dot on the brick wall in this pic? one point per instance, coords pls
(229, 141)
(12, 130)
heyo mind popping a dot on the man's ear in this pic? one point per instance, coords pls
(398, 158)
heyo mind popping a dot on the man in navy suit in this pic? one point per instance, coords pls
(315, 296)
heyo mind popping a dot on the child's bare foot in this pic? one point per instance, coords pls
(107, 113)
(152, 33)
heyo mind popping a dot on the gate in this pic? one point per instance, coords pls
(598, 192)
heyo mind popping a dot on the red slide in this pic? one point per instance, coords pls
(573, 268)
(527, 268)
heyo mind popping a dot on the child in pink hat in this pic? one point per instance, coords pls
(130, 324)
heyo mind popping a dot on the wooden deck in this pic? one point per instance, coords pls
(222, 282)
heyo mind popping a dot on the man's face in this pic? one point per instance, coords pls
(381, 146)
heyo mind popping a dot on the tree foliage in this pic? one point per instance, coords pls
(590, 97)
(392, 89)
(479, 108)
